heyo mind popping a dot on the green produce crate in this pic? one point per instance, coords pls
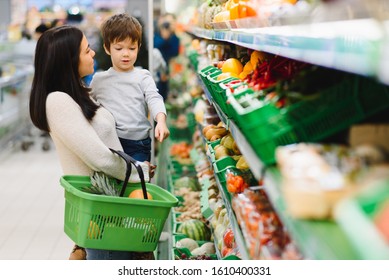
(266, 127)
(217, 89)
(220, 167)
(211, 147)
(184, 134)
(193, 58)
(207, 71)
(355, 215)
(115, 223)
(247, 110)
(206, 211)
(179, 170)
(177, 252)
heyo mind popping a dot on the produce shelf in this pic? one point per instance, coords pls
(318, 240)
(355, 46)
(322, 240)
(239, 239)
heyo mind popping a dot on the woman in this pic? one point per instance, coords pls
(60, 104)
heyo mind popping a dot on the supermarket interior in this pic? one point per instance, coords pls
(277, 149)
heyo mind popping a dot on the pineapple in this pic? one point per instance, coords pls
(102, 184)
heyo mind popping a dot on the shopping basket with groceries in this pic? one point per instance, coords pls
(116, 222)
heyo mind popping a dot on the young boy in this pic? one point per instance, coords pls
(127, 92)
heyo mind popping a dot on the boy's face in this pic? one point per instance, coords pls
(123, 54)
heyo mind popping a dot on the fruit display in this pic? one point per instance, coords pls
(190, 208)
(195, 229)
(187, 182)
(230, 14)
(180, 150)
(315, 177)
(196, 248)
(269, 101)
(213, 132)
(263, 231)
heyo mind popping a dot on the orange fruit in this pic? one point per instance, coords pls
(139, 194)
(233, 66)
(256, 56)
(248, 67)
(244, 74)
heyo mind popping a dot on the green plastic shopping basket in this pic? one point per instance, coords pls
(116, 223)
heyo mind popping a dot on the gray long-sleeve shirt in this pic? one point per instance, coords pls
(129, 96)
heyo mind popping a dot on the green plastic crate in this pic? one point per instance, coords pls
(177, 252)
(193, 58)
(207, 71)
(206, 211)
(220, 167)
(115, 223)
(179, 170)
(184, 134)
(266, 127)
(211, 148)
(355, 217)
(218, 90)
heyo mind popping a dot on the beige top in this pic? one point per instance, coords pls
(82, 145)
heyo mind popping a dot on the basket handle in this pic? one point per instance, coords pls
(129, 160)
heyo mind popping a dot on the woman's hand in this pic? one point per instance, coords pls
(151, 169)
(134, 178)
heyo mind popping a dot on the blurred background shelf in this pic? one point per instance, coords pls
(357, 46)
(319, 240)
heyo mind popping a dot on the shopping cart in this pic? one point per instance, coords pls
(116, 222)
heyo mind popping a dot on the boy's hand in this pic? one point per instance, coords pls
(161, 131)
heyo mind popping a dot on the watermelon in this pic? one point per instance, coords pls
(195, 229)
(187, 182)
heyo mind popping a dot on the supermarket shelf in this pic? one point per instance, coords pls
(322, 240)
(354, 46)
(239, 239)
(319, 240)
(256, 165)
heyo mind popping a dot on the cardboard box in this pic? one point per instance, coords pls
(377, 134)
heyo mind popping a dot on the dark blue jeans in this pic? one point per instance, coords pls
(138, 149)
(94, 254)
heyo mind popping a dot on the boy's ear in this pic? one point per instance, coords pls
(106, 50)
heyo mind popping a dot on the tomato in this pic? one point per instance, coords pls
(228, 238)
(235, 183)
(226, 251)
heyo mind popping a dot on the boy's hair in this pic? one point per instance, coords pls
(120, 27)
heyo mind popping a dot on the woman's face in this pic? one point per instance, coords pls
(86, 64)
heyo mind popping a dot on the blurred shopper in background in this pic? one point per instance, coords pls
(60, 104)
(168, 43)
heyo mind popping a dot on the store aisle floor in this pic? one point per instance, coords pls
(32, 206)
